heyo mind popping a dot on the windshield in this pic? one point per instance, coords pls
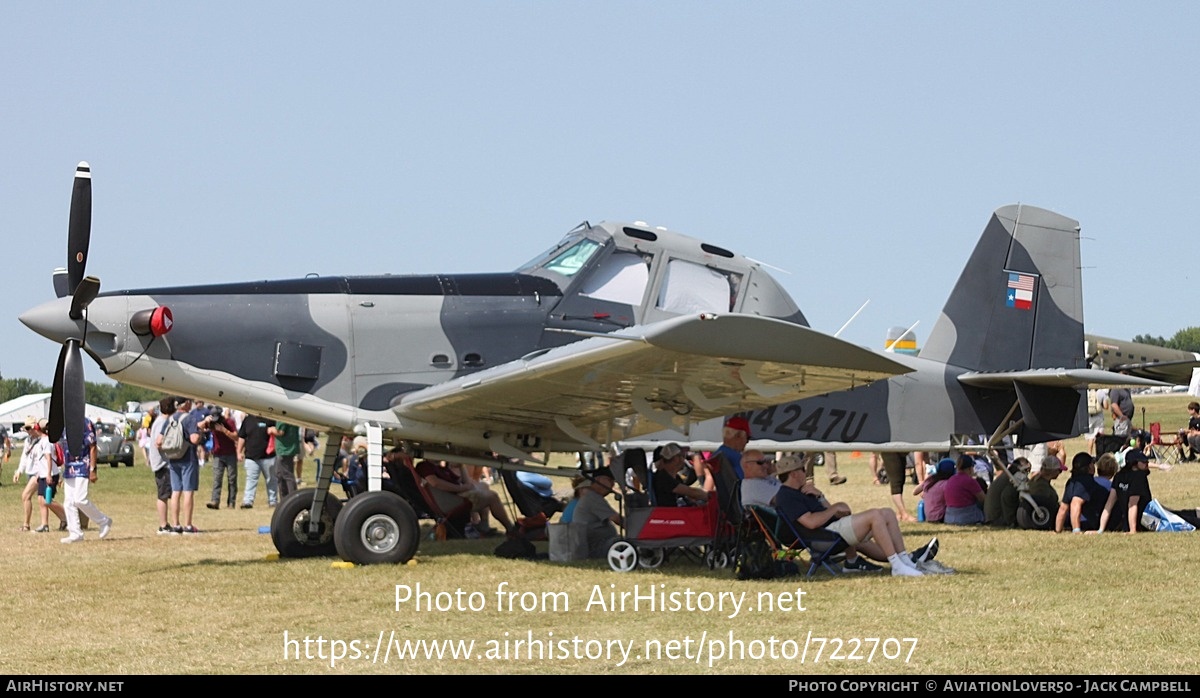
(565, 261)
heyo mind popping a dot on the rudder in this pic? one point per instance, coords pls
(1018, 303)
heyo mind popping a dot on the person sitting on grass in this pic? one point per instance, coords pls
(1001, 501)
(964, 495)
(594, 512)
(874, 532)
(1106, 469)
(1083, 498)
(932, 491)
(1129, 496)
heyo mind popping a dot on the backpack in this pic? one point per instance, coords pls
(517, 548)
(754, 558)
(58, 455)
(174, 444)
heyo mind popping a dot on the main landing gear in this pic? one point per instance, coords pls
(370, 529)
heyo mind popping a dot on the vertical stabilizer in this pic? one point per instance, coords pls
(1019, 302)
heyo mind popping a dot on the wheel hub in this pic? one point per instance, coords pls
(380, 533)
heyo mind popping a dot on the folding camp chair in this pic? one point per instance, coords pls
(1166, 452)
(788, 538)
(450, 510)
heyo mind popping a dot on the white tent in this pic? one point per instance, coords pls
(14, 412)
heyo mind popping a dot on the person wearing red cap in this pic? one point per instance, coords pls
(734, 437)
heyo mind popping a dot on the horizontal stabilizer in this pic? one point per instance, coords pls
(1074, 378)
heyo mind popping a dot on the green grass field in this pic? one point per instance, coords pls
(1022, 603)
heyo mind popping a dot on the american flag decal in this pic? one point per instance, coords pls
(1020, 291)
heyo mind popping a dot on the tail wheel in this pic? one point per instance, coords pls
(1041, 516)
(289, 525)
(377, 528)
(622, 556)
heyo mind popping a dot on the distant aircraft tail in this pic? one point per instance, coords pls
(1018, 304)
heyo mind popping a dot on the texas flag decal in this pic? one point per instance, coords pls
(1020, 291)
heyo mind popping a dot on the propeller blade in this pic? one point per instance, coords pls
(60, 283)
(54, 422)
(67, 398)
(73, 398)
(85, 293)
(79, 231)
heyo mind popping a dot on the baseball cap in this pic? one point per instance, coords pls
(1134, 457)
(738, 423)
(670, 450)
(1050, 463)
(603, 472)
(788, 463)
(946, 467)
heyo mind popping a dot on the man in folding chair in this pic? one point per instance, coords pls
(874, 532)
(1190, 437)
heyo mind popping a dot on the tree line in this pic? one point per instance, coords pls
(1187, 339)
(110, 396)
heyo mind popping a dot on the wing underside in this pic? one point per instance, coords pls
(667, 374)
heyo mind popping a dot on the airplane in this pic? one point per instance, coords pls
(616, 330)
(1171, 366)
(1004, 359)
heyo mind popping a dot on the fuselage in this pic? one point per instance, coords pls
(334, 352)
(1161, 363)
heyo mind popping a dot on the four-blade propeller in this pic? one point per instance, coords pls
(67, 395)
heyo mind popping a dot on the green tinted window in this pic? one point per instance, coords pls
(571, 260)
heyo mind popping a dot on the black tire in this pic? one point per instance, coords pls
(289, 525)
(377, 528)
(128, 462)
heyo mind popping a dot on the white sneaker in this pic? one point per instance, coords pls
(934, 567)
(71, 539)
(105, 528)
(903, 570)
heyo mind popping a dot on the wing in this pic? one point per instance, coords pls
(1057, 378)
(666, 374)
(1171, 372)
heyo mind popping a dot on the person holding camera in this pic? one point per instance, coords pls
(224, 453)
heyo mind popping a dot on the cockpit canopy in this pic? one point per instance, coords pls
(617, 275)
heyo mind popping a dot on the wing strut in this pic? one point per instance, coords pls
(641, 403)
(576, 433)
(749, 377)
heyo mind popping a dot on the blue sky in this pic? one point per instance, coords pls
(860, 146)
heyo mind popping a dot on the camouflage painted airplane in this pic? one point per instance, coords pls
(1171, 366)
(1005, 358)
(614, 331)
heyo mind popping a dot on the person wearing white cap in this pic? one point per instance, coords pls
(38, 465)
(666, 486)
